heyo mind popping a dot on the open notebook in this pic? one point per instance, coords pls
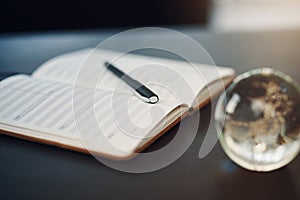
(74, 102)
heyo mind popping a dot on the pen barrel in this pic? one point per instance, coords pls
(141, 89)
(131, 82)
(137, 86)
(127, 79)
(115, 70)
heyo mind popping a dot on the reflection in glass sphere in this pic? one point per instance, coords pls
(258, 120)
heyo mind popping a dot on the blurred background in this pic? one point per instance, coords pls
(35, 15)
(221, 15)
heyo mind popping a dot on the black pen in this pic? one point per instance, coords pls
(145, 93)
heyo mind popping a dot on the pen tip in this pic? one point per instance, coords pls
(154, 99)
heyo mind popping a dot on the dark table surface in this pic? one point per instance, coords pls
(35, 171)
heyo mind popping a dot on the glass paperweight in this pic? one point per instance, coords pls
(258, 120)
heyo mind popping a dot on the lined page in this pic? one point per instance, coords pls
(170, 79)
(32, 102)
(98, 118)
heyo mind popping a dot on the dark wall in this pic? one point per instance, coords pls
(33, 15)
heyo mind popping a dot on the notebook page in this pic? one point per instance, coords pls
(101, 119)
(170, 79)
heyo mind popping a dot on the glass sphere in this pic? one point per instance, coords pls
(258, 120)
